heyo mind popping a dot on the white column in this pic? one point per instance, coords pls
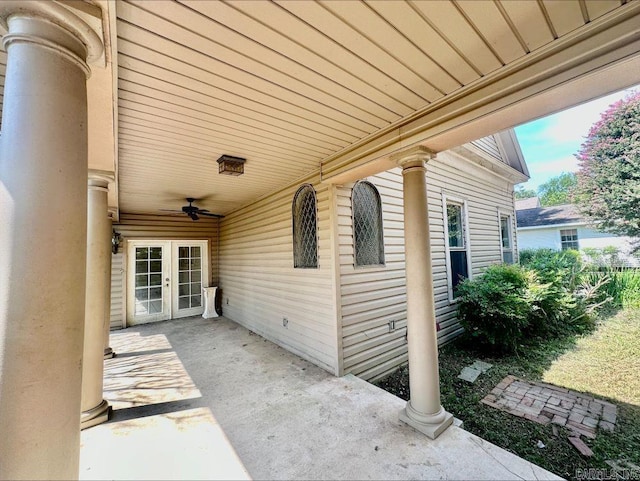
(423, 411)
(95, 409)
(43, 212)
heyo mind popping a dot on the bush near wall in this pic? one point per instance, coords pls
(549, 294)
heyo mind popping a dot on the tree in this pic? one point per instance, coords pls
(608, 191)
(522, 193)
(557, 190)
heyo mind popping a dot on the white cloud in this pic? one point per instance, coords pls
(574, 123)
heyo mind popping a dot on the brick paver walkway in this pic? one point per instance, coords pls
(545, 403)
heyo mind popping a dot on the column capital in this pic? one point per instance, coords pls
(73, 33)
(415, 156)
(100, 179)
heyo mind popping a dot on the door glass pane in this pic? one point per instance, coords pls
(142, 294)
(142, 307)
(148, 281)
(155, 307)
(189, 277)
(142, 267)
(196, 301)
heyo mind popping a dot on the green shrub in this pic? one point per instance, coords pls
(561, 268)
(570, 296)
(552, 295)
(621, 286)
(495, 308)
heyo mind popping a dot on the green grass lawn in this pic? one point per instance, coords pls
(605, 364)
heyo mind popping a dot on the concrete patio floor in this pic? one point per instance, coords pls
(207, 399)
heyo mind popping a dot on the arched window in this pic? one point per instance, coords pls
(305, 239)
(367, 225)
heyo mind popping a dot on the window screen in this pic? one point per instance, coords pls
(367, 225)
(305, 240)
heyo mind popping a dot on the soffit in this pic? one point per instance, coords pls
(289, 84)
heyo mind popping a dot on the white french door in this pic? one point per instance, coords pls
(165, 279)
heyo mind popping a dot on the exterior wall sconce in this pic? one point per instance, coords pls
(230, 165)
(115, 241)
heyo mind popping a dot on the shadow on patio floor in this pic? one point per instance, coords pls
(207, 399)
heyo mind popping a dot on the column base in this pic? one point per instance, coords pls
(97, 415)
(432, 425)
(108, 353)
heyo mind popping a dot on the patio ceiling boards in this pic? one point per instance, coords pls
(296, 86)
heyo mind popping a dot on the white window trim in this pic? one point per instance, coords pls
(465, 225)
(509, 215)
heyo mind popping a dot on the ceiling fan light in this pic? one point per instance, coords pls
(230, 165)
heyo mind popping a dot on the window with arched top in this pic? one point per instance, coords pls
(305, 221)
(368, 235)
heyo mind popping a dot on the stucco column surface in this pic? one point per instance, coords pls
(43, 212)
(95, 409)
(423, 411)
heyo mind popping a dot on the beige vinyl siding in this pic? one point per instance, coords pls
(489, 146)
(117, 291)
(260, 286)
(138, 226)
(372, 297)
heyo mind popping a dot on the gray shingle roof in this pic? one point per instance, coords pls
(542, 216)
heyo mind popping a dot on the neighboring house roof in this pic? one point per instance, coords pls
(530, 203)
(548, 216)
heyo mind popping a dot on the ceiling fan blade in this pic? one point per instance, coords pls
(194, 216)
(171, 210)
(208, 214)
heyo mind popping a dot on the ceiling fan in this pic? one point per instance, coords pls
(193, 211)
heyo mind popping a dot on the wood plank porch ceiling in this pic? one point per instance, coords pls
(287, 84)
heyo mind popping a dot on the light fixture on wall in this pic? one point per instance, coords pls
(115, 241)
(230, 165)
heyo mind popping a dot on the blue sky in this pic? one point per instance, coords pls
(548, 144)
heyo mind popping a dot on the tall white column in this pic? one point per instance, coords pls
(423, 411)
(95, 409)
(43, 212)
